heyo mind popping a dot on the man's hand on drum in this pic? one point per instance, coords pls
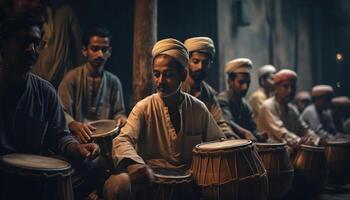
(81, 131)
(140, 174)
(120, 121)
(89, 150)
(249, 135)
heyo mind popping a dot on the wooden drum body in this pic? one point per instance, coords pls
(230, 169)
(310, 170)
(36, 177)
(279, 168)
(338, 160)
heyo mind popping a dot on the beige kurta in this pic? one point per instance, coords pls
(256, 100)
(208, 96)
(281, 123)
(150, 129)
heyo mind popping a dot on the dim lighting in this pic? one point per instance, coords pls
(338, 84)
(339, 57)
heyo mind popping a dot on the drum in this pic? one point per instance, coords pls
(173, 184)
(35, 177)
(229, 169)
(310, 170)
(338, 161)
(105, 132)
(280, 171)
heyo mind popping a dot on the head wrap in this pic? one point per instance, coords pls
(200, 44)
(173, 48)
(266, 69)
(341, 101)
(321, 90)
(303, 95)
(239, 65)
(283, 75)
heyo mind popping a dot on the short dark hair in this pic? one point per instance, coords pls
(96, 31)
(18, 23)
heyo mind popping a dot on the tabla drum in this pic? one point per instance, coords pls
(229, 169)
(310, 168)
(173, 184)
(338, 161)
(280, 171)
(35, 177)
(105, 131)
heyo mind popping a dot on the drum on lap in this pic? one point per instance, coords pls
(279, 168)
(229, 169)
(26, 176)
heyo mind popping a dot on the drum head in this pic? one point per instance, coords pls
(35, 162)
(103, 127)
(338, 142)
(311, 148)
(166, 173)
(277, 144)
(226, 144)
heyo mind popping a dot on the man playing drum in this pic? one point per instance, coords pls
(164, 126)
(89, 92)
(280, 119)
(31, 117)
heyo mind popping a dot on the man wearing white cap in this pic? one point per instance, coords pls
(265, 76)
(318, 115)
(201, 54)
(341, 113)
(236, 110)
(164, 126)
(302, 100)
(280, 119)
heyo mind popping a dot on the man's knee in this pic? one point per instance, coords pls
(117, 187)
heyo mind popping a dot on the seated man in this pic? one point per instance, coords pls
(164, 126)
(341, 113)
(318, 115)
(89, 92)
(301, 100)
(280, 119)
(265, 77)
(202, 51)
(235, 108)
(31, 117)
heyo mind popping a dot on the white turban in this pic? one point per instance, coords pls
(303, 95)
(266, 69)
(200, 44)
(321, 90)
(283, 75)
(173, 48)
(239, 65)
(341, 101)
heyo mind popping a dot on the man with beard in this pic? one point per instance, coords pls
(31, 117)
(280, 119)
(89, 92)
(162, 129)
(265, 76)
(201, 52)
(235, 108)
(318, 115)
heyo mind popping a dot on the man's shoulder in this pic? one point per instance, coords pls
(257, 94)
(39, 84)
(111, 77)
(223, 96)
(210, 90)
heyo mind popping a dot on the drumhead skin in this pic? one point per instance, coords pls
(338, 142)
(311, 148)
(170, 173)
(226, 144)
(104, 127)
(35, 162)
(277, 144)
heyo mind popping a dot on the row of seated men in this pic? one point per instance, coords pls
(160, 131)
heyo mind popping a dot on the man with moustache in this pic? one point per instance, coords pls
(162, 129)
(280, 119)
(201, 53)
(31, 117)
(89, 92)
(235, 108)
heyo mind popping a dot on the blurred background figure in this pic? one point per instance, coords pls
(341, 113)
(302, 100)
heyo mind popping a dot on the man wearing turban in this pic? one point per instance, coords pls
(318, 115)
(164, 126)
(235, 108)
(201, 54)
(341, 113)
(280, 119)
(265, 77)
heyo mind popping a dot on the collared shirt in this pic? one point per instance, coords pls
(150, 136)
(208, 96)
(81, 104)
(32, 121)
(238, 112)
(281, 122)
(256, 99)
(320, 122)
